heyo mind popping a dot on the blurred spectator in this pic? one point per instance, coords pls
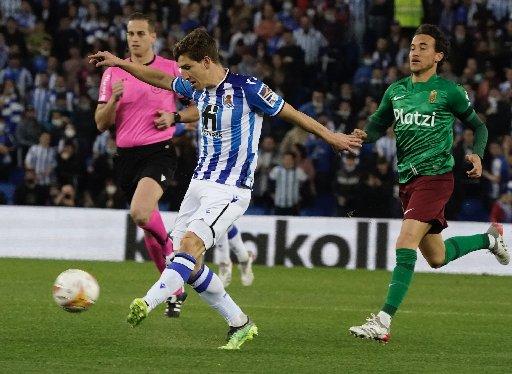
(6, 148)
(495, 171)
(287, 179)
(17, 73)
(111, 197)
(41, 98)
(501, 210)
(42, 159)
(345, 185)
(29, 192)
(66, 196)
(267, 160)
(27, 132)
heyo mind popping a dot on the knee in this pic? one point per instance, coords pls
(435, 263)
(192, 244)
(139, 216)
(406, 240)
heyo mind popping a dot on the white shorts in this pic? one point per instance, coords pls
(208, 209)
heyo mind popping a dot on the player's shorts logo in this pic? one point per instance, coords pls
(432, 97)
(156, 90)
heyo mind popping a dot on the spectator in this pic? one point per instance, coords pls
(66, 196)
(496, 171)
(111, 197)
(17, 73)
(41, 98)
(345, 185)
(27, 132)
(6, 148)
(286, 180)
(267, 160)
(501, 210)
(29, 192)
(42, 159)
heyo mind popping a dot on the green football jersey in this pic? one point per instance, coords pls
(423, 114)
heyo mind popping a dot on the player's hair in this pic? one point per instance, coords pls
(197, 45)
(142, 17)
(442, 43)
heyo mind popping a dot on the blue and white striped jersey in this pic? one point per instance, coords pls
(230, 118)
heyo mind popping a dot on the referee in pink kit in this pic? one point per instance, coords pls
(143, 116)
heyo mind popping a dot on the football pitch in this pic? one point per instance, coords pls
(448, 323)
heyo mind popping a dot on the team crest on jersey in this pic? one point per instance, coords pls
(432, 97)
(269, 96)
(227, 101)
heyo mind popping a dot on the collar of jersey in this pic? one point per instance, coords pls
(222, 81)
(147, 63)
(434, 76)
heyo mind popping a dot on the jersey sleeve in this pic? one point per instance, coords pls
(261, 97)
(458, 101)
(105, 91)
(182, 87)
(384, 114)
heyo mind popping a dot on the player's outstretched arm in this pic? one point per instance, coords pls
(144, 73)
(339, 141)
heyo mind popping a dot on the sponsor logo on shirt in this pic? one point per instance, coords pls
(269, 96)
(416, 118)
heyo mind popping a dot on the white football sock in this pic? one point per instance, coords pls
(209, 287)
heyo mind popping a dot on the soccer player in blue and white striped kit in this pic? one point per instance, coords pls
(231, 109)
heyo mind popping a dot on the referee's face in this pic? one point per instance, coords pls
(140, 39)
(422, 53)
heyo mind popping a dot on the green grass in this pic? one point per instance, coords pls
(448, 323)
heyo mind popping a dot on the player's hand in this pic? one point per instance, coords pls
(344, 142)
(361, 134)
(164, 120)
(117, 90)
(104, 58)
(476, 171)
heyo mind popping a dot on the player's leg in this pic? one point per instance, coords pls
(378, 326)
(218, 208)
(224, 259)
(210, 289)
(245, 257)
(439, 253)
(145, 214)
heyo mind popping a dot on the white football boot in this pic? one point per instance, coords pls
(372, 329)
(225, 271)
(246, 274)
(499, 249)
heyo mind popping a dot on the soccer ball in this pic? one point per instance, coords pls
(75, 290)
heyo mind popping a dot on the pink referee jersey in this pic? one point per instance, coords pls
(137, 109)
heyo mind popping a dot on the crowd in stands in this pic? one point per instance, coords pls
(331, 59)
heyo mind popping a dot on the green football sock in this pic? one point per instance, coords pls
(400, 280)
(459, 246)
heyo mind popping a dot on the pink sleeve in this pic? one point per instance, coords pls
(105, 86)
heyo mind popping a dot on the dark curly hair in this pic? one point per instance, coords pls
(197, 45)
(442, 42)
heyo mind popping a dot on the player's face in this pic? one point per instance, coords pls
(140, 39)
(195, 72)
(422, 53)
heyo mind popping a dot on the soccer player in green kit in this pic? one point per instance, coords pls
(423, 108)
